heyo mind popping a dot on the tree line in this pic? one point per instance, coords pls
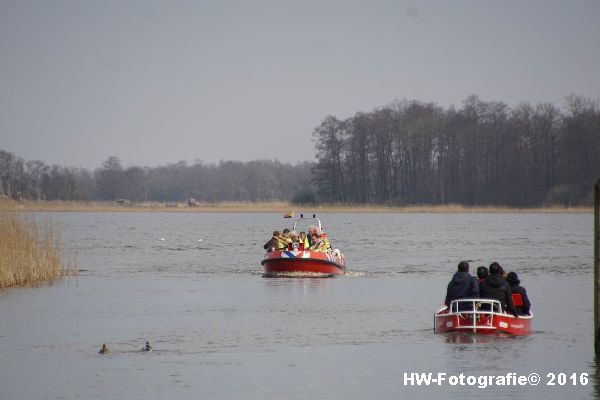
(484, 153)
(261, 180)
(407, 152)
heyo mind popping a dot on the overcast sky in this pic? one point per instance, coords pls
(154, 82)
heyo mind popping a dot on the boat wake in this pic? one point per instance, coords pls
(297, 274)
(358, 274)
(306, 274)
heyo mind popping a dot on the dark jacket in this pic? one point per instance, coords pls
(462, 286)
(524, 309)
(272, 243)
(495, 287)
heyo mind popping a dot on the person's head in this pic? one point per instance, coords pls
(501, 269)
(286, 232)
(276, 233)
(302, 235)
(495, 269)
(293, 235)
(314, 236)
(513, 279)
(463, 266)
(482, 272)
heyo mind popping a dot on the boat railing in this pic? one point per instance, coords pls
(475, 313)
(475, 305)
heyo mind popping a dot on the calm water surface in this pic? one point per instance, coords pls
(222, 331)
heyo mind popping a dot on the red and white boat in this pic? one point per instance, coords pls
(482, 316)
(297, 261)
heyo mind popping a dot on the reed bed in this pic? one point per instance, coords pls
(29, 254)
(268, 207)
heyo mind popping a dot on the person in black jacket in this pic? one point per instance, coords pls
(482, 273)
(495, 287)
(462, 285)
(513, 280)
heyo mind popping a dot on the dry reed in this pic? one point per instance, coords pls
(29, 254)
(268, 207)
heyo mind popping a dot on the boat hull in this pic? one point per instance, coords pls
(302, 262)
(499, 324)
(472, 318)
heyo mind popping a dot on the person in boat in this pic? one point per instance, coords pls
(317, 244)
(273, 243)
(283, 240)
(147, 347)
(495, 287)
(303, 239)
(501, 269)
(463, 285)
(286, 237)
(482, 273)
(515, 286)
(325, 240)
(312, 230)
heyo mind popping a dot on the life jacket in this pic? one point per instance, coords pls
(319, 246)
(282, 243)
(325, 240)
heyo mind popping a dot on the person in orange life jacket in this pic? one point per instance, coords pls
(513, 280)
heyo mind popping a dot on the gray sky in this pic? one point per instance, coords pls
(154, 82)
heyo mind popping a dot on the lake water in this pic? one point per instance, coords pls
(222, 331)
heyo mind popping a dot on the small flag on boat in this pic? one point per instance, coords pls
(288, 215)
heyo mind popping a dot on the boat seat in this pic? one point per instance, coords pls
(517, 299)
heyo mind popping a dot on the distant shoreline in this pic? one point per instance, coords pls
(268, 207)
